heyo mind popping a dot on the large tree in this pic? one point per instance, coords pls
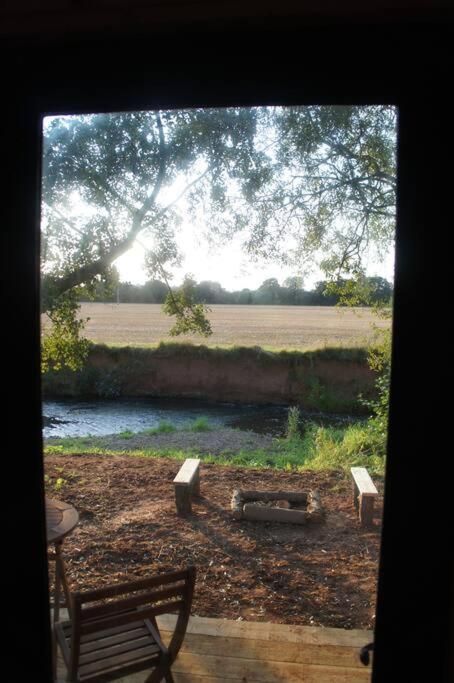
(298, 184)
(107, 180)
(331, 197)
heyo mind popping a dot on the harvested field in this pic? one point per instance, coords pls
(292, 327)
(323, 575)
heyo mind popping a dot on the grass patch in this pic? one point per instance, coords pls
(162, 428)
(266, 355)
(201, 424)
(320, 448)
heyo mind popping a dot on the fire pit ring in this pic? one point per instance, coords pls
(258, 505)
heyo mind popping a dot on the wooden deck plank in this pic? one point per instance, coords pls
(333, 655)
(266, 671)
(183, 678)
(224, 651)
(255, 630)
(190, 678)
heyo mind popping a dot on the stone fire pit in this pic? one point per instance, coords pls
(277, 506)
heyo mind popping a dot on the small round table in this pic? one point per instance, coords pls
(61, 518)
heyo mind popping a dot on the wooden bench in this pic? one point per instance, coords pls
(187, 484)
(364, 494)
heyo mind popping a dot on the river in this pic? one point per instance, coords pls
(71, 417)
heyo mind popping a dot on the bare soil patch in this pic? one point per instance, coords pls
(319, 575)
(298, 327)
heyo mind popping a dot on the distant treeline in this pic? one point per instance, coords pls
(270, 292)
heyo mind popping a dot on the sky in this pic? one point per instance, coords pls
(228, 265)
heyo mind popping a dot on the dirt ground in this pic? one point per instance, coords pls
(321, 575)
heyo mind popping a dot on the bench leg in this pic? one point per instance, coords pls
(366, 510)
(183, 500)
(196, 484)
(355, 495)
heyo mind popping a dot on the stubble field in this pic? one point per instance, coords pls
(290, 327)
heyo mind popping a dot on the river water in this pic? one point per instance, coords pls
(71, 417)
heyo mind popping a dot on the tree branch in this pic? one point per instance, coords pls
(91, 270)
(148, 203)
(107, 188)
(64, 218)
(183, 192)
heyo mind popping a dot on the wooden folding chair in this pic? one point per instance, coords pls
(113, 630)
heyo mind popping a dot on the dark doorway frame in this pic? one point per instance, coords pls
(263, 62)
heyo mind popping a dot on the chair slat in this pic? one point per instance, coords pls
(116, 649)
(117, 620)
(121, 671)
(89, 613)
(128, 587)
(144, 653)
(123, 636)
(105, 633)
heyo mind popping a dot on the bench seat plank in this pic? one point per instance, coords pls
(187, 471)
(366, 486)
(364, 495)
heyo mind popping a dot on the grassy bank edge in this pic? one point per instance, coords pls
(356, 354)
(321, 448)
(215, 347)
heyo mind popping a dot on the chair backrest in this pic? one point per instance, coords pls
(121, 604)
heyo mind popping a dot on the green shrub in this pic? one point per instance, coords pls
(293, 418)
(201, 424)
(380, 362)
(322, 398)
(162, 428)
(345, 448)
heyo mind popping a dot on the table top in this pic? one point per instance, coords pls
(61, 518)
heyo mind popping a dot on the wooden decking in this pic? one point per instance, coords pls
(223, 651)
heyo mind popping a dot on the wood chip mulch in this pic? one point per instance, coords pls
(320, 575)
